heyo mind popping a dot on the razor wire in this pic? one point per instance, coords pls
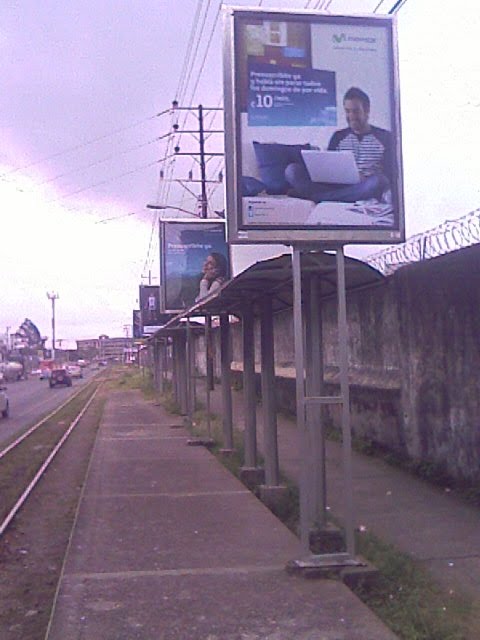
(449, 236)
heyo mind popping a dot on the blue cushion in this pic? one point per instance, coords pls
(251, 186)
(273, 159)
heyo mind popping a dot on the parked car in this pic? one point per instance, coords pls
(60, 376)
(4, 404)
(75, 371)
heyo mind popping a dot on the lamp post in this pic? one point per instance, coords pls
(163, 207)
(53, 296)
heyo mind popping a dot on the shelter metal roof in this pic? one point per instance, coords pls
(274, 277)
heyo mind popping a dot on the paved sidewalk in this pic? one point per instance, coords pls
(432, 525)
(168, 545)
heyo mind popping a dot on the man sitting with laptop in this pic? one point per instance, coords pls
(362, 172)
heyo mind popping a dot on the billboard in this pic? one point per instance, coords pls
(150, 316)
(194, 261)
(312, 128)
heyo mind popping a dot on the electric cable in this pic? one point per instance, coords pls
(202, 66)
(188, 50)
(85, 144)
(97, 162)
(98, 184)
(192, 64)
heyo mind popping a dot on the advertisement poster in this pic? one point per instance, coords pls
(312, 128)
(194, 260)
(150, 316)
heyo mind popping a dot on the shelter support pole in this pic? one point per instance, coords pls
(182, 372)
(189, 373)
(249, 389)
(208, 357)
(225, 357)
(164, 365)
(159, 365)
(175, 370)
(345, 393)
(250, 473)
(305, 501)
(314, 411)
(269, 410)
(154, 364)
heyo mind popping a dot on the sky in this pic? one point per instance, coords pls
(85, 118)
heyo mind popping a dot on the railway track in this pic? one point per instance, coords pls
(25, 461)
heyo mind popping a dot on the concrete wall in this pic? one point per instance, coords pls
(414, 361)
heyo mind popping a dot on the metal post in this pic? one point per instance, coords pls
(226, 386)
(182, 373)
(300, 397)
(249, 389)
(208, 347)
(345, 393)
(209, 350)
(175, 370)
(161, 366)
(203, 174)
(269, 410)
(314, 412)
(189, 372)
(53, 296)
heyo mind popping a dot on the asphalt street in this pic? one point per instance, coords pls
(32, 399)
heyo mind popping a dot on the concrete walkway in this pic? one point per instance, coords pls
(168, 545)
(432, 525)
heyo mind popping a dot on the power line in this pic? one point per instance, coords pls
(85, 144)
(188, 50)
(98, 184)
(97, 162)
(192, 64)
(202, 66)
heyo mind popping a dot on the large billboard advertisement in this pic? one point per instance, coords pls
(194, 261)
(312, 126)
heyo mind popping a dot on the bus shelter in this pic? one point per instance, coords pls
(256, 295)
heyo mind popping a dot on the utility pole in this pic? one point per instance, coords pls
(53, 296)
(201, 156)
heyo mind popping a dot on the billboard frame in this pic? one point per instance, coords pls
(164, 307)
(238, 231)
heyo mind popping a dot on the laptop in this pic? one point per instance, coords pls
(336, 167)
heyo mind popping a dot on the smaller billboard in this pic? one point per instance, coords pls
(194, 261)
(150, 316)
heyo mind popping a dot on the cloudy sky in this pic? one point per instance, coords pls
(86, 89)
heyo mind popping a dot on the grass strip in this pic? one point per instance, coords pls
(404, 595)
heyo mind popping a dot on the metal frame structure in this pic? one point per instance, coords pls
(268, 287)
(309, 378)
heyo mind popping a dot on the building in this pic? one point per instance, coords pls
(105, 348)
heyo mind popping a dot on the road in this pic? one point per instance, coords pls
(32, 399)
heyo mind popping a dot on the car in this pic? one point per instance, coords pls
(4, 404)
(75, 371)
(60, 377)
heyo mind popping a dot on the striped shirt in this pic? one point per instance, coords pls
(372, 150)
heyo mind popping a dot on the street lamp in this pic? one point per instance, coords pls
(53, 296)
(163, 207)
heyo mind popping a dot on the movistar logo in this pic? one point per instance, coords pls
(338, 38)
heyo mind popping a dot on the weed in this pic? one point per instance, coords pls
(404, 595)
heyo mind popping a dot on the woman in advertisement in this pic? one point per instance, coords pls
(214, 274)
